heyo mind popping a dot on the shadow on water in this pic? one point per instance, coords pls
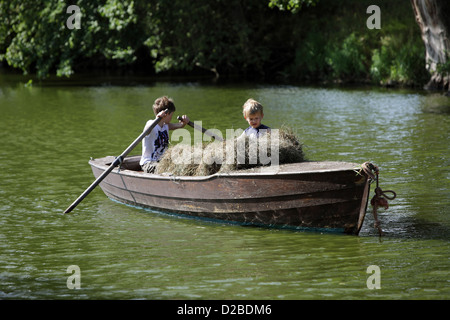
(436, 103)
(405, 227)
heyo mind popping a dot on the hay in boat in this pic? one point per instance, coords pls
(239, 153)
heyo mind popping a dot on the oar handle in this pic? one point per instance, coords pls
(115, 163)
(200, 128)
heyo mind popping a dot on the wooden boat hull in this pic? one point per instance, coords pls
(325, 196)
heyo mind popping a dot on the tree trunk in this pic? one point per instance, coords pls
(433, 17)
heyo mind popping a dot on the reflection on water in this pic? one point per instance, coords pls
(49, 132)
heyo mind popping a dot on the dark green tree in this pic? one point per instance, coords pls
(220, 36)
(34, 36)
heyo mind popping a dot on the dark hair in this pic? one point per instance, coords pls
(163, 103)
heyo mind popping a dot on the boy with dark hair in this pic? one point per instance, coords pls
(156, 142)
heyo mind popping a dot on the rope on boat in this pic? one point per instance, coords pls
(380, 199)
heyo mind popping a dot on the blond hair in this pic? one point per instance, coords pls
(251, 106)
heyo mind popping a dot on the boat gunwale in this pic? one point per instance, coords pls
(104, 163)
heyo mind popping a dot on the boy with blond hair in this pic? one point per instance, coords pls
(253, 113)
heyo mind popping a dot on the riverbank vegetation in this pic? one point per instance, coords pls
(323, 41)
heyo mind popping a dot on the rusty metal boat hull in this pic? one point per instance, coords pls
(323, 196)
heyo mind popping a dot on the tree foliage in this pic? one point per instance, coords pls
(223, 36)
(36, 38)
(324, 39)
(291, 5)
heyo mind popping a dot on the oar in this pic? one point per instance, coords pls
(116, 162)
(205, 131)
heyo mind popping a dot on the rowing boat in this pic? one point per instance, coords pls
(321, 196)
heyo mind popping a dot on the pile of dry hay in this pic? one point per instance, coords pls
(209, 158)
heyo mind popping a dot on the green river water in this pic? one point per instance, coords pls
(49, 131)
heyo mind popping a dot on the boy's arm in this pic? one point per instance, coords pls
(184, 120)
